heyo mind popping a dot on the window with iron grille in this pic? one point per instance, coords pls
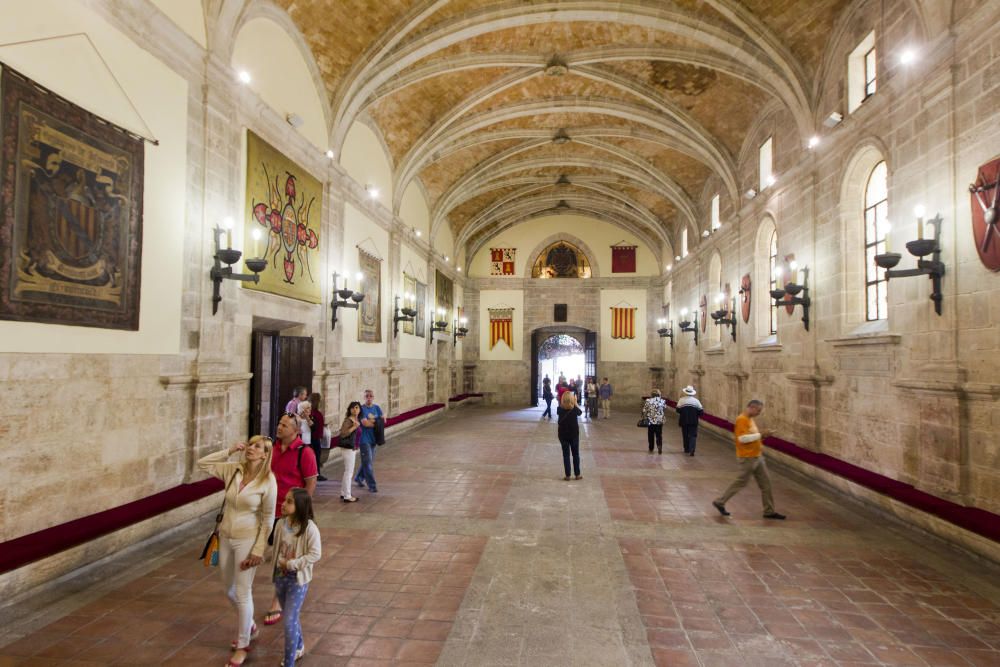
(772, 270)
(876, 225)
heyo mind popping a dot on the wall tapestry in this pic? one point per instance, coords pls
(444, 297)
(501, 326)
(71, 195)
(285, 203)
(623, 321)
(985, 194)
(420, 321)
(502, 261)
(623, 258)
(369, 310)
(409, 299)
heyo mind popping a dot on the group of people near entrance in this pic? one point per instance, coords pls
(598, 397)
(748, 439)
(267, 511)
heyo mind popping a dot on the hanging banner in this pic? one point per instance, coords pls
(370, 309)
(409, 300)
(623, 322)
(502, 261)
(502, 326)
(71, 202)
(623, 258)
(444, 299)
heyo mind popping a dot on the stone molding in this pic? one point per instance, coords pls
(865, 339)
(185, 381)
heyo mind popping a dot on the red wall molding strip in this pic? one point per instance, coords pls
(973, 519)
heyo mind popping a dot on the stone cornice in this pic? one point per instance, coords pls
(184, 381)
(865, 339)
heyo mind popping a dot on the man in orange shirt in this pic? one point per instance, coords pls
(748, 452)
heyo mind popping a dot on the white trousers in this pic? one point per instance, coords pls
(238, 583)
(606, 407)
(345, 482)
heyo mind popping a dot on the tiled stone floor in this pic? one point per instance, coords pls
(476, 552)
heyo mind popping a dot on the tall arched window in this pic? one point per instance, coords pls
(714, 294)
(876, 226)
(772, 271)
(684, 242)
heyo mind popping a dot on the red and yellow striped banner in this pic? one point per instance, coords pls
(623, 322)
(502, 326)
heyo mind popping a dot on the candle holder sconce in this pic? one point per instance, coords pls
(408, 315)
(793, 290)
(666, 331)
(459, 331)
(721, 319)
(688, 327)
(230, 256)
(933, 268)
(346, 293)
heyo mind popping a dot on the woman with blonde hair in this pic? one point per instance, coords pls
(569, 432)
(251, 494)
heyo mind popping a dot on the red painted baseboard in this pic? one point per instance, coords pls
(462, 397)
(976, 520)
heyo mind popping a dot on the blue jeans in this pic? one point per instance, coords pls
(291, 595)
(366, 473)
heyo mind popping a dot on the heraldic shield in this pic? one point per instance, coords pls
(985, 196)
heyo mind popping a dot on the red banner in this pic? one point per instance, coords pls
(623, 259)
(502, 326)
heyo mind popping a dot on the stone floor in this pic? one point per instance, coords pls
(476, 552)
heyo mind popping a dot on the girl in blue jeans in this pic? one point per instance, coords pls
(296, 549)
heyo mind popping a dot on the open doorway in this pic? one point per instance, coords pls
(278, 364)
(568, 352)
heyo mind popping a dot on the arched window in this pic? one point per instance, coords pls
(876, 226)
(772, 271)
(684, 242)
(561, 259)
(715, 296)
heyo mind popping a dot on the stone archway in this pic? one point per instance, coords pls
(585, 338)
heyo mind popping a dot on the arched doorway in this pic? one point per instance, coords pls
(567, 351)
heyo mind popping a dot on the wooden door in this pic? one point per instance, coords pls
(590, 355)
(262, 394)
(533, 400)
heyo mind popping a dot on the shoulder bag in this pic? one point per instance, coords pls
(210, 553)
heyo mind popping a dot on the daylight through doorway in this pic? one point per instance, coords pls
(560, 356)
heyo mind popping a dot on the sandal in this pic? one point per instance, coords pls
(352, 499)
(246, 656)
(272, 617)
(254, 634)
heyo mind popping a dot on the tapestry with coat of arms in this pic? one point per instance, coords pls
(502, 261)
(71, 187)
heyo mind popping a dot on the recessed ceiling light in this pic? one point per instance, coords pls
(243, 76)
(813, 141)
(329, 153)
(907, 57)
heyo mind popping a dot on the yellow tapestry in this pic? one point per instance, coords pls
(284, 205)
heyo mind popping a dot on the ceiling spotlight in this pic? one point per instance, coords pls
(560, 137)
(771, 180)
(372, 191)
(670, 267)
(459, 269)
(243, 76)
(833, 120)
(907, 57)
(295, 120)
(751, 193)
(329, 153)
(446, 258)
(419, 233)
(814, 141)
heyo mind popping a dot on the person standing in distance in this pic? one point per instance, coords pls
(370, 412)
(604, 393)
(748, 452)
(547, 397)
(298, 395)
(689, 408)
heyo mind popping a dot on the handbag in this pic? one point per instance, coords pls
(210, 553)
(324, 442)
(643, 422)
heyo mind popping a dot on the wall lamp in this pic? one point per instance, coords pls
(439, 325)
(665, 330)
(688, 327)
(726, 317)
(934, 267)
(355, 298)
(408, 315)
(460, 331)
(229, 256)
(793, 289)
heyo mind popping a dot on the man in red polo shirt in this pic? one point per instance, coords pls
(293, 465)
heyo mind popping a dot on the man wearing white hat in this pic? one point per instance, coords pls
(689, 408)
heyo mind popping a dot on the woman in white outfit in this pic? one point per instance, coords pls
(247, 516)
(349, 441)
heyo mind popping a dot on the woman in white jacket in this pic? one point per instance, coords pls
(247, 515)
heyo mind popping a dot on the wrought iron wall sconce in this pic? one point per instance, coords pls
(666, 330)
(721, 319)
(793, 289)
(934, 267)
(438, 326)
(459, 331)
(355, 299)
(230, 256)
(687, 326)
(408, 315)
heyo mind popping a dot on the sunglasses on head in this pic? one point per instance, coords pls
(290, 414)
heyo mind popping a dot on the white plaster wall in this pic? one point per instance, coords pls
(188, 15)
(597, 234)
(363, 157)
(627, 349)
(358, 229)
(71, 68)
(498, 299)
(444, 242)
(414, 211)
(280, 76)
(411, 346)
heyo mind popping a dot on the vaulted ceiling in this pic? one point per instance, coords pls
(623, 110)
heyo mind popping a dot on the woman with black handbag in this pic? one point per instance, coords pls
(652, 413)
(349, 441)
(244, 523)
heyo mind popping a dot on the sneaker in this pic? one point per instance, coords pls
(722, 508)
(775, 516)
(321, 478)
(298, 655)
(373, 490)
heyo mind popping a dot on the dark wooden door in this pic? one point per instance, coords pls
(590, 355)
(533, 400)
(295, 368)
(262, 346)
